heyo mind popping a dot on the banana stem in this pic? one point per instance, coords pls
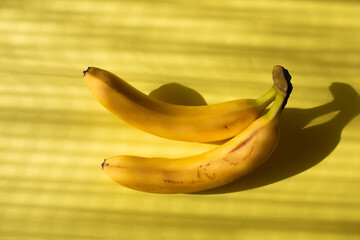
(276, 108)
(282, 87)
(267, 98)
(84, 72)
(282, 83)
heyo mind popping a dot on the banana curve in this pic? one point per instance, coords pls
(187, 123)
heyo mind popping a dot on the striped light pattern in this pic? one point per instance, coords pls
(54, 135)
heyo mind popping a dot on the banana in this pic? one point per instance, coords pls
(219, 166)
(186, 123)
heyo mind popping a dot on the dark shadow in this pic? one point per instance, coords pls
(301, 147)
(178, 94)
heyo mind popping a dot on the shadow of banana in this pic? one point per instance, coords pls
(300, 146)
(176, 93)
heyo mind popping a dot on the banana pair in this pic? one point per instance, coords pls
(254, 134)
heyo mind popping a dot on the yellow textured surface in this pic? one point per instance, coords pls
(54, 135)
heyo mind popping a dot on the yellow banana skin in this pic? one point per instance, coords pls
(211, 169)
(186, 123)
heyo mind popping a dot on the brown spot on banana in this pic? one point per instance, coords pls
(242, 144)
(195, 181)
(182, 182)
(213, 176)
(173, 181)
(202, 175)
(227, 127)
(202, 171)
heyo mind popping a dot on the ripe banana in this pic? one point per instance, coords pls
(210, 169)
(186, 123)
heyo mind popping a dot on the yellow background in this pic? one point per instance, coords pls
(54, 134)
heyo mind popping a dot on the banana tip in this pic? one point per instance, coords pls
(102, 165)
(84, 72)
